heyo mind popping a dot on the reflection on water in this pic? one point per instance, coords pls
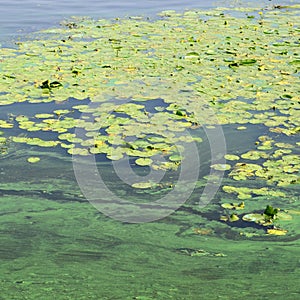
(18, 17)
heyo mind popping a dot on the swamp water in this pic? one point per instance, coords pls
(55, 244)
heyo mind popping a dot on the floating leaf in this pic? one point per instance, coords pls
(59, 112)
(231, 157)
(233, 218)
(143, 161)
(224, 218)
(257, 218)
(78, 151)
(277, 231)
(4, 124)
(241, 128)
(43, 116)
(236, 206)
(254, 218)
(143, 185)
(33, 159)
(254, 155)
(175, 157)
(221, 167)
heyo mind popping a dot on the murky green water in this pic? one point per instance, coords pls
(54, 243)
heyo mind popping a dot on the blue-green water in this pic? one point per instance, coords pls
(19, 17)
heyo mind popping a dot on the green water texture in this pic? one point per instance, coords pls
(56, 245)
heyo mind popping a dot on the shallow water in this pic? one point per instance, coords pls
(55, 244)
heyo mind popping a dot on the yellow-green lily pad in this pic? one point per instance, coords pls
(233, 218)
(231, 157)
(277, 231)
(33, 159)
(4, 124)
(236, 206)
(143, 185)
(221, 167)
(257, 218)
(44, 116)
(144, 161)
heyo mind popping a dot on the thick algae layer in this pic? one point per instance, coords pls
(55, 244)
(69, 251)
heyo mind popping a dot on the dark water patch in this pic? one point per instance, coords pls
(13, 247)
(79, 256)
(57, 195)
(205, 273)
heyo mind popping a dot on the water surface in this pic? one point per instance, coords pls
(17, 16)
(54, 244)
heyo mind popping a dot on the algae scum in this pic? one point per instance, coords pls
(136, 89)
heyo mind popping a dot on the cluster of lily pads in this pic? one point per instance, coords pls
(244, 68)
(267, 219)
(277, 164)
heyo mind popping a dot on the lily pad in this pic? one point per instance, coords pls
(257, 218)
(221, 167)
(277, 231)
(33, 159)
(44, 116)
(236, 206)
(231, 157)
(233, 218)
(143, 185)
(144, 161)
(175, 157)
(4, 124)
